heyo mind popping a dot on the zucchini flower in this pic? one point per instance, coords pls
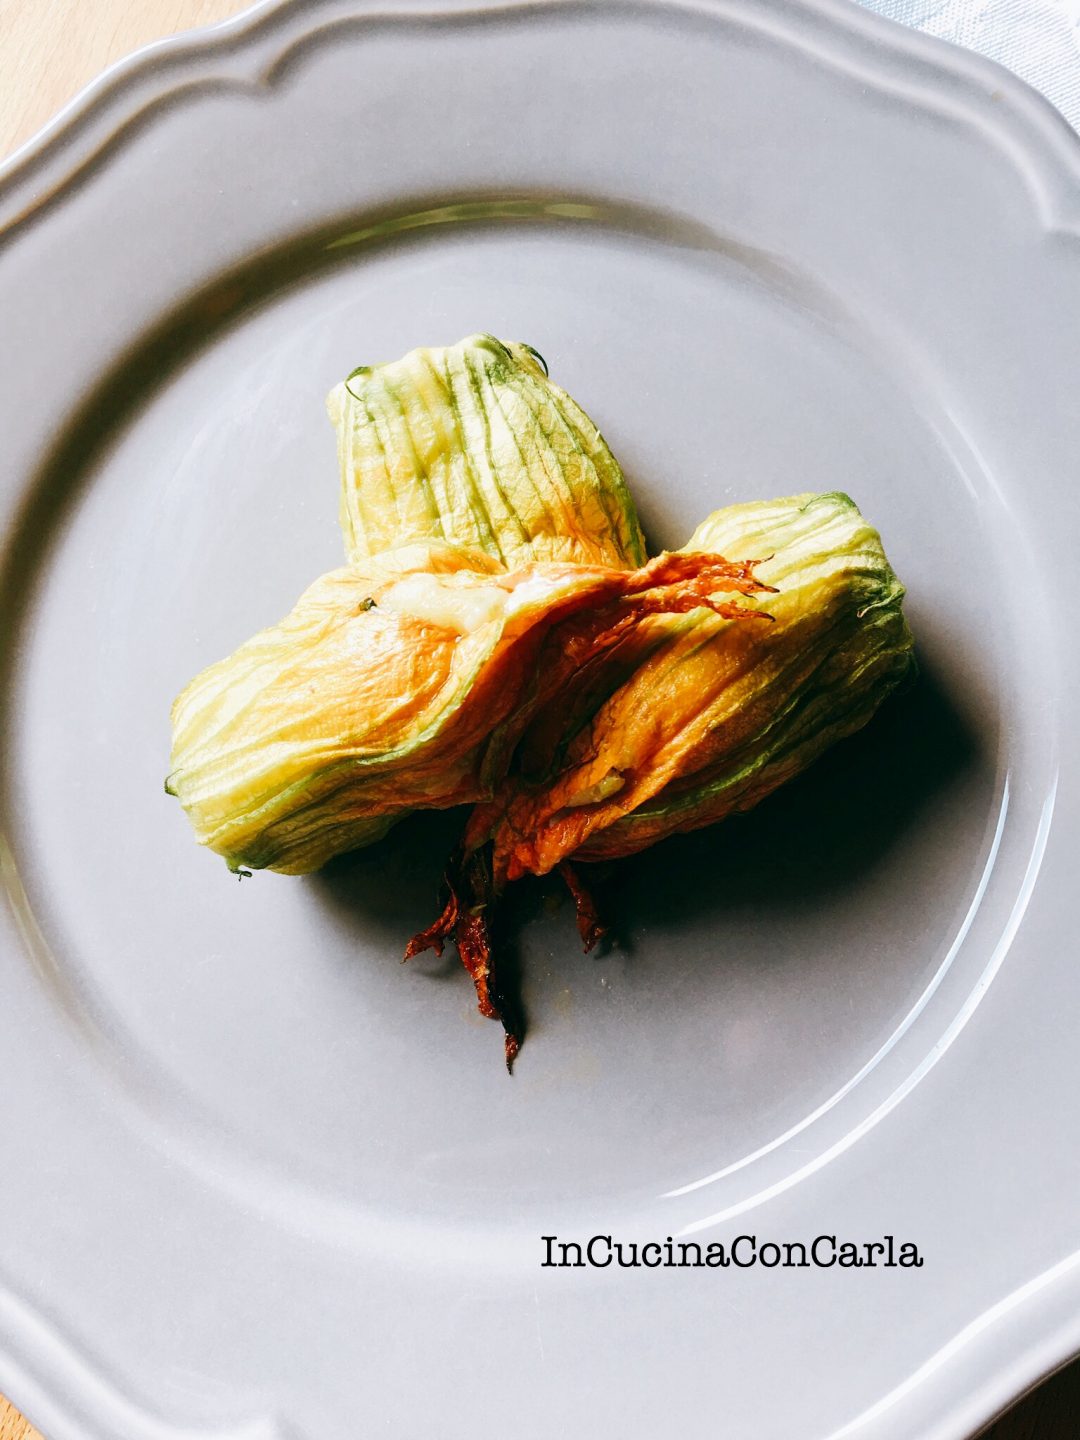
(399, 683)
(712, 716)
(473, 443)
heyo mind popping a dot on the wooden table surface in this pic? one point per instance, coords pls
(47, 53)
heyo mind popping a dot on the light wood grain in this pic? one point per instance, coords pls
(48, 52)
(13, 1426)
(50, 49)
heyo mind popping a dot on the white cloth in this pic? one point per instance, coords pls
(1037, 39)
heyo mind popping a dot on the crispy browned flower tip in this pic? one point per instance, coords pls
(511, 1046)
(473, 940)
(474, 948)
(439, 930)
(468, 890)
(590, 927)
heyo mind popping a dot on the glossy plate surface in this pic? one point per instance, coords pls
(263, 1181)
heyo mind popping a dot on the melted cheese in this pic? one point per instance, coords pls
(461, 608)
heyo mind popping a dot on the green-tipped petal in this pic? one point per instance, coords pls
(474, 443)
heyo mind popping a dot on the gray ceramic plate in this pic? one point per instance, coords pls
(259, 1180)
